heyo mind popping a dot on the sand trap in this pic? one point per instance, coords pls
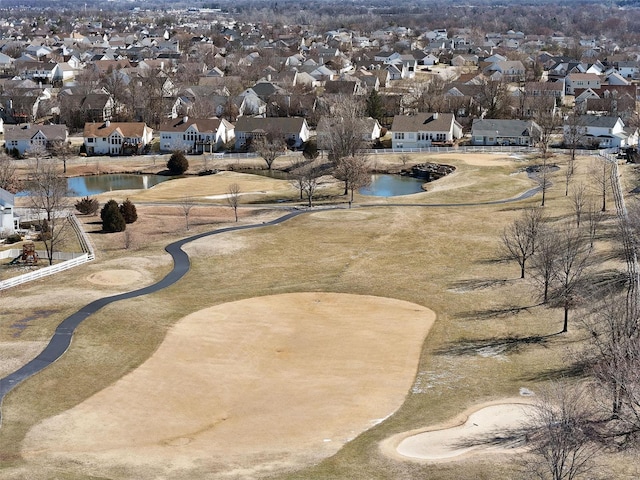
(467, 434)
(253, 385)
(115, 277)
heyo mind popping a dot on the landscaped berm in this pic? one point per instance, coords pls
(266, 382)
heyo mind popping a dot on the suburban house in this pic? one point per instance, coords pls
(294, 130)
(511, 70)
(20, 138)
(116, 138)
(99, 107)
(9, 223)
(603, 131)
(504, 132)
(369, 129)
(581, 81)
(195, 135)
(423, 129)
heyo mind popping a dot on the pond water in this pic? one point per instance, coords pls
(94, 184)
(387, 185)
(382, 185)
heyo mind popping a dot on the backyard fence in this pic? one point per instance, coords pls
(67, 260)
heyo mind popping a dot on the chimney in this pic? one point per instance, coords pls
(107, 123)
(185, 119)
(435, 116)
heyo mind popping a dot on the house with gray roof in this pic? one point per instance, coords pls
(21, 138)
(504, 132)
(423, 130)
(294, 130)
(604, 131)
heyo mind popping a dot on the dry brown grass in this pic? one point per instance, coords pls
(490, 339)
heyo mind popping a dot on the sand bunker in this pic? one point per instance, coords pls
(484, 430)
(115, 277)
(263, 383)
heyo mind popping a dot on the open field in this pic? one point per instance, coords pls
(237, 336)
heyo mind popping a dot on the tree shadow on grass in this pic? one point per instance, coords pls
(575, 369)
(494, 346)
(476, 284)
(491, 313)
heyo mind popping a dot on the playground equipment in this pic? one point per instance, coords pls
(29, 256)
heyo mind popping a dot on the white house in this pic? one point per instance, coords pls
(116, 138)
(605, 132)
(195, 135)
(9, 223)
(21, 138)
(580, 81)
(423, 129)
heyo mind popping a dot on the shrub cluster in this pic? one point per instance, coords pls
(13, 238)
(87, 206)
(178, 163)
(116, 217)
(128, 211)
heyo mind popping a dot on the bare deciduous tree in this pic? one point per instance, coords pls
(594, 219)
(548, 121)
(311, 174)
(559, 434)
(518, 243)
(233, 198)
(494, 99)
(544, 175)
(186, 204)
(129, 239)
(574, 134)
(542, 263)
(354, 171)
(8, 180)
(49, 201)
(601, 176)
(573, 254)
(578, 201)
(36, 152)
(63, 150)
(269, 146)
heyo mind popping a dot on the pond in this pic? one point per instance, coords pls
(387, 185)
(382, 185)
(93, 184)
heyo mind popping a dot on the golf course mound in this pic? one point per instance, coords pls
(250, 386)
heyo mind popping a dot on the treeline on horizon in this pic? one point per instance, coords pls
(533, 17)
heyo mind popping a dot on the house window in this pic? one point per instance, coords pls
(399, 135)
(89, 140)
